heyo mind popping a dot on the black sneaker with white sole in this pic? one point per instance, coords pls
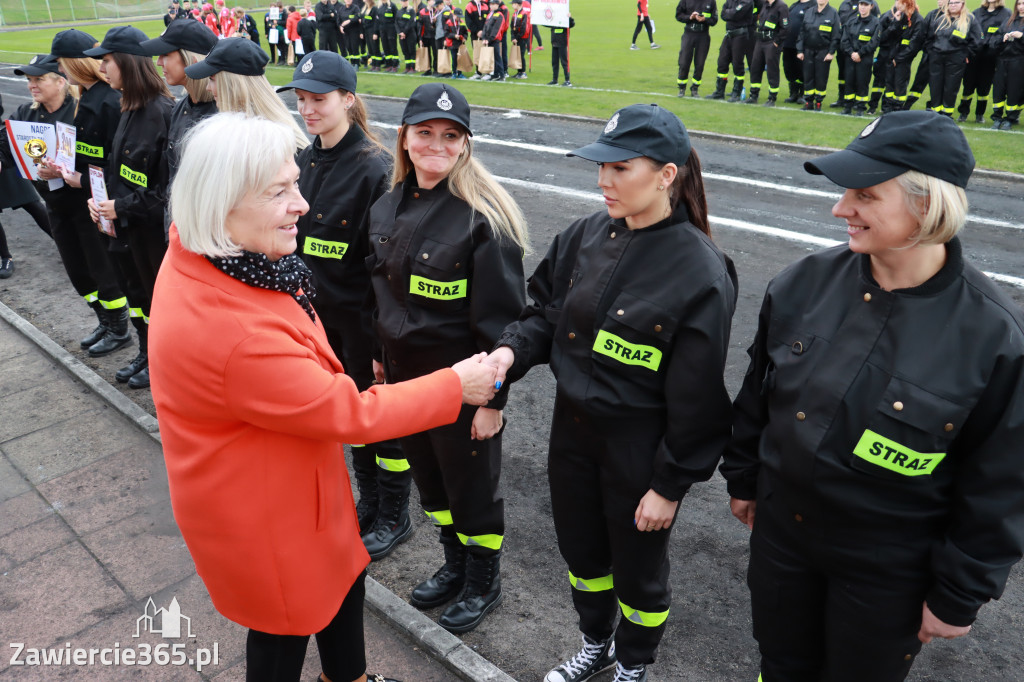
(637, 673)
(593, 658)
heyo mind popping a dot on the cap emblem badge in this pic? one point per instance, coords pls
(870, 127)
(444, 104)
(308, 66)
(34, 59)
(612, 124)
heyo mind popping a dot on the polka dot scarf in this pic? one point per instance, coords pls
(289, 274)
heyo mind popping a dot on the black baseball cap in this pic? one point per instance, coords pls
(896, 142)
(72, 44)
(437, 100)
(640, 130)
(123, 39)
(182, 34)
(39, 65)
(323, 72)
(234, 55)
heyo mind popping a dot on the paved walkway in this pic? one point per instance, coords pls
(87, 538)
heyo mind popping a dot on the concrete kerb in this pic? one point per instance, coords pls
(986, 174)
(435, 640)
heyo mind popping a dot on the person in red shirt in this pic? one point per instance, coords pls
(643, 20)
(210, 19)
(292, 30)
(228, 25)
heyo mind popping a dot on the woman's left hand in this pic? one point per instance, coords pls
(932, 626)
(486, 423)
(106, 209)
(47, 171)
(654, 512)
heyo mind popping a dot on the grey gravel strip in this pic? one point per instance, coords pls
(431, 637)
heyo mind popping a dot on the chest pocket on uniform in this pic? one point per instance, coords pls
(331, 233)
(792, 353)
(635, 336)
(439, 274)
(134, 164)
(909, 434)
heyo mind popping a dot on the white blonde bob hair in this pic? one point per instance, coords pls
(227, 159)
(940, 207)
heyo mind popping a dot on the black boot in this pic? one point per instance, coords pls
(770, 102)
(117, 335)
(737, 91)
(693, 91)
(392, 526)
(909, 103)
(140, 379)
(97, 333)
(754, 94)
(719, 92)
(365, 468)
(449, 579)
(140, 363)
(795, 91)
(480, 595)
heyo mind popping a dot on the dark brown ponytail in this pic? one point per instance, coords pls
(688, 188)
(357, 116)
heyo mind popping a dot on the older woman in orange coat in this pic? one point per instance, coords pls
(254, 406)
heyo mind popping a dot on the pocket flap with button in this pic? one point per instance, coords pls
(650, 319)
(922, 409)
(438, 256)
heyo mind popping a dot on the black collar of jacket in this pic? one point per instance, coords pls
(679, 215)
(951, 271)
(354, 136)
(410, 186)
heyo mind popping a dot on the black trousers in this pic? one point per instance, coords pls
(693, 49)
(733, 50)
(766, 58)
(353, 47)
(147, 247)
(643, 22)
(84, 254)
(409, 44)
(389, 48)
(373, 54)
(559, 55)
(1008, 89)
(458, 482)
(841, 61)
(816, 73)
(896, 86)
(792, 67)
(329, 39)
(596, 485)
(946, 70)
(858, 81)
(921, 79)
(880, 70)
(129, 281)
(279, 658)
(830, 607)
(978, 79)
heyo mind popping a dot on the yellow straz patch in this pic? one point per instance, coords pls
(133, 176)
(890, 455)
(324, 249)
(442, 291)
(627, 353)
(88, 150)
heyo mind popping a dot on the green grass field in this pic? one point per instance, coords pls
(20, 12)
(608, 75)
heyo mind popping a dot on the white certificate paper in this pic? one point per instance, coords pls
(99, 193)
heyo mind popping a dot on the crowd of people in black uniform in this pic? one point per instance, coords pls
(978, 55)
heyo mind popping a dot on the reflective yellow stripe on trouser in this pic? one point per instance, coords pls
(441, 517)
(116, 304)
(647, 619)
(488, 541)
(592, 584)
(392, 464)
(92, 297)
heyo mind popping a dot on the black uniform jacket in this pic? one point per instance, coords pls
(860, 35)
(445, 285)
(773, 22)
(796, 20)
(99, 109)
(991, 24)
(184, 116)
(889, 32)
(1011, 49)
(560, 36)
(892, 416)
(327, 15)
(406, 21)
(912, 32)
(350, 14)
(387, 19)
(819, 30)
(134, 175)
(635, 325)
(64, 114)
(340, 184)
(738, 14)
(475, 18)
(706, 8)
(948, 39)
(494, 27)
(848, 10)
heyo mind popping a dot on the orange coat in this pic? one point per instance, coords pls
(253, 408)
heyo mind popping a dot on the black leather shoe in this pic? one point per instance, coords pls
(140, 363)
(378, 678)
(97, 333)
(481, 594)
(447, 582)
(6, 267)
(116, 336)
(140, 379)
(386, 534)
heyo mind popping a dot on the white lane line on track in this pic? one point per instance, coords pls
(788, 235)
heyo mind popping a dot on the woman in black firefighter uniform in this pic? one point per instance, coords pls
(772, 28)
(136, 203)
(1008, 88)
(446, 264)
(953, 37)
(860, 38)
(349, 18)
(697, 16)
(909, 27)
(981, 69)
(180, 46)
(81, 246)
(408, 32)
(96, 118)
(369, 34)
(878, 430)
(341, 175)
(738, 16)
(816, 47)
(632, 310)
(888, 42)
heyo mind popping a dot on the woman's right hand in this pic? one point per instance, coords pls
(378, 372)
(477, 380)
(743, 510)
(94, 211)
(501, 360)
